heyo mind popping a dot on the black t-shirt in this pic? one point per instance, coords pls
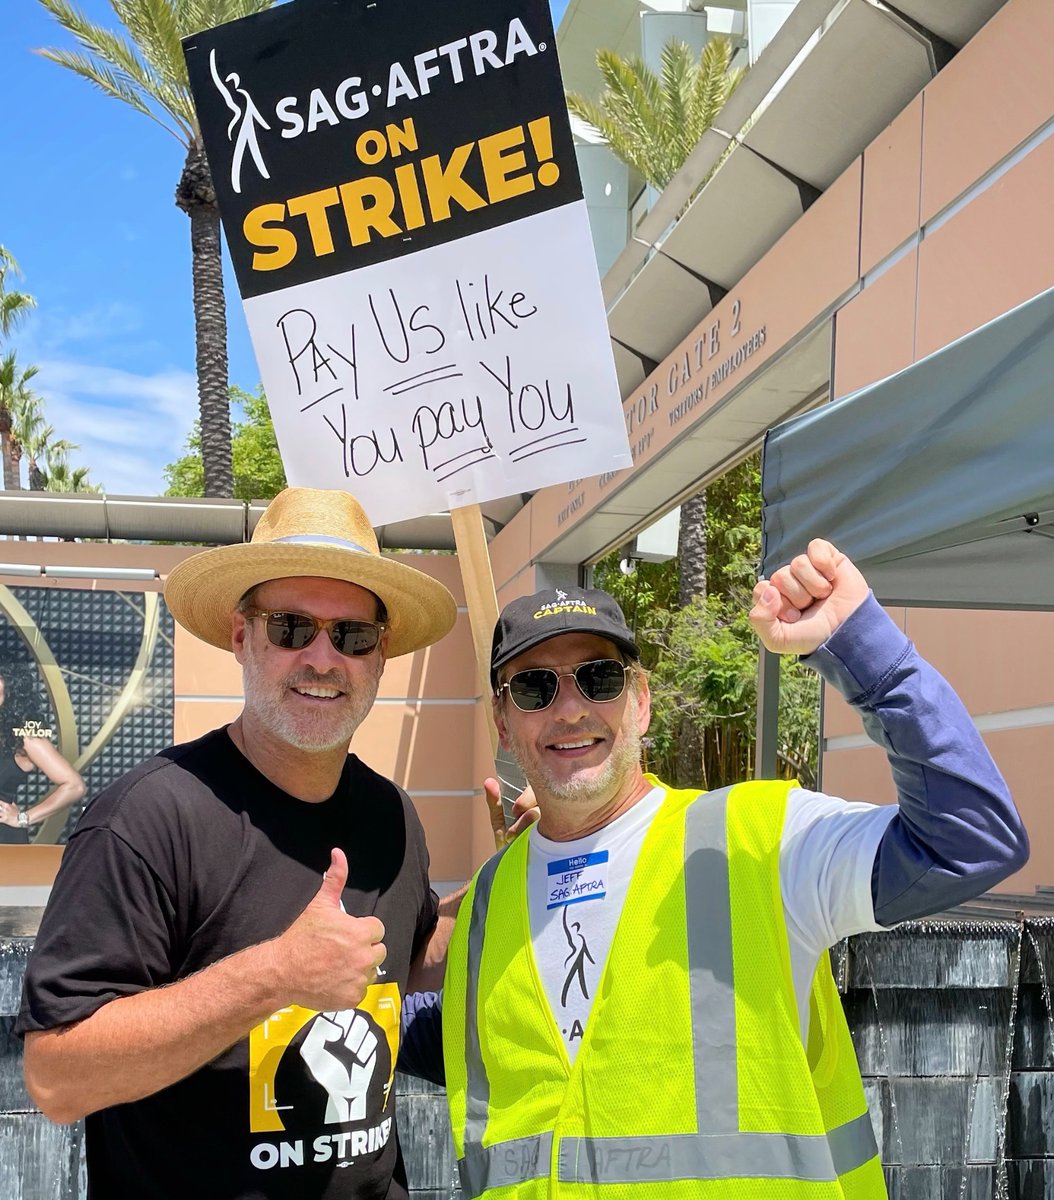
(185, 860)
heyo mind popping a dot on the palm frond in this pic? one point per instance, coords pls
(113, 64)
(27, 418)
(653, 122)
(13, 307)
(106, 81)
(633, 102)
(38, 440)
(715, 81)
(155, 31)
(13, 380)
(102, 43)
(627, 146)
(8, 262)
(193, 16)
(633, 94)
(59, 449)
(58, 476)
(677, 77)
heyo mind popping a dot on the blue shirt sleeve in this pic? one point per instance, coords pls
(421, 1044)
(957, 832)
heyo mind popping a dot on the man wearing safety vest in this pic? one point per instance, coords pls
(638, 1000)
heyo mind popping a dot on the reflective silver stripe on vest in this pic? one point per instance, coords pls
(512, 1162)
(713, 998)
(519, 1159)
(711, 1156)
(662, 1159)
(477, 1094)
(852, 1144)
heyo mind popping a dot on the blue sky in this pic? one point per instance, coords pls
(87, 210)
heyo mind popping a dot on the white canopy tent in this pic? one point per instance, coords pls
(938, 481)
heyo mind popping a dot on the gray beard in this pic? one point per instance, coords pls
(263, 701)
(623, 759)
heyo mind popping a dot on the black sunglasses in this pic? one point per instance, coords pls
(294, 631)
(600, 681)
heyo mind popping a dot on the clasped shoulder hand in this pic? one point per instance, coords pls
(804, 602)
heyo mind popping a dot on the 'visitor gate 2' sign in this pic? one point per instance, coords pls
(402, 204)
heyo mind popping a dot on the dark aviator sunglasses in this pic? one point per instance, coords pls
(294, 631)
(600, 681)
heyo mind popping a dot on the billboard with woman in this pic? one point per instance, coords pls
(85, 693)
(26, 746)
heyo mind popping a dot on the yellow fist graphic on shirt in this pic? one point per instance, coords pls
(340, 1055)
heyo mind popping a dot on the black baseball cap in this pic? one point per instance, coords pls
(534, 619)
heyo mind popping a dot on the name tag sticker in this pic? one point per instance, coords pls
(574, 880)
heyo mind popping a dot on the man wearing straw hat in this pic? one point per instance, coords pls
(217, 980)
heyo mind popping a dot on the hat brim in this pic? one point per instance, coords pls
(203, 591)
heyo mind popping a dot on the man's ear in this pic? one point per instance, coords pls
(239, 632)
(643, 703)
(499, 721)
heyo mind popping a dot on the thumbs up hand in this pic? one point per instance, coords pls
(326, 960)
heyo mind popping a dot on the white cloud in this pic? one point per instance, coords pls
(54, 328)
(128, 426)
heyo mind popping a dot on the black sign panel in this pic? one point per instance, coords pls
(342, 133)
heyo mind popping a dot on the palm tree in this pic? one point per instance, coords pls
(147, 71)
(652, 123)
(13, 305)
(27, 421)
(41, 445)
(58, 476)
(64, 478)
(14, 393)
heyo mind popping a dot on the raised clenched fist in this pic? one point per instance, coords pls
(806, 601)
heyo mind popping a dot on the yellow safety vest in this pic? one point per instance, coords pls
(691, 1079)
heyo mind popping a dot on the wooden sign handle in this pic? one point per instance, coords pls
(482, 600)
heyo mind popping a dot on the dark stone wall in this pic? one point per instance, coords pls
(38, 1160)
(953, 1028)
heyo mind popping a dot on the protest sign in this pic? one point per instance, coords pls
(402, 205)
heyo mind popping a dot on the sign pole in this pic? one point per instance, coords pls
(481, 598)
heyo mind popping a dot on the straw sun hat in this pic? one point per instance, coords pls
(308, 531)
